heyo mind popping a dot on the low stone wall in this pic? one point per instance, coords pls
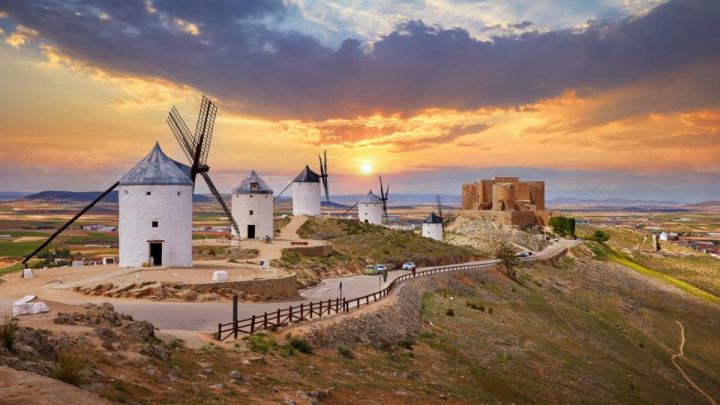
(388, 321)
(266, 289)
(317, 251)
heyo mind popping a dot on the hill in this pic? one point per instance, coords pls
(88, 196)
(358, 244)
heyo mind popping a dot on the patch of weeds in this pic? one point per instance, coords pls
(345, 352)
(450, 312)
(490, 310)
(69, 368)
(407, 343)
(300, 345)
(176, 344)
(261, 343)
(475, 305)
(7, 331)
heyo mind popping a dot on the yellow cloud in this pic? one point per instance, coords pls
(21, 36)
(187, 27)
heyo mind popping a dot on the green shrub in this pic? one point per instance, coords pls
(599, 236)
(69, 368)
(7, 331)
(407, 343)
(345, 352)
(450, 312)
(261, 343)
(300, 345)
(475, 305)
(563, 226)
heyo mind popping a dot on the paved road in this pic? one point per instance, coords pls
(196, 316)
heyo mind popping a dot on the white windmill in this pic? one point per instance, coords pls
(252, 208)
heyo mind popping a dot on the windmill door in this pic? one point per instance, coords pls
(155, 254)
(251, 232)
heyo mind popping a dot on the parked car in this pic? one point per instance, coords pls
(522, 254)
(381, 268)
(408, 266)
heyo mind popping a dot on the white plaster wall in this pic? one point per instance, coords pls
(262, 217)
(174, 215)
(433, 231)
(372, 213)
(306, 199)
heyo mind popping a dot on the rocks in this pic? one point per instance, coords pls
(157, 351)
(33, 343)
(218, 386)
(143, 330)
(236, 377)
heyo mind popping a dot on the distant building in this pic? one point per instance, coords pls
(506, 201)
(664, 236)
(306, 193)
(370, 209)
(252, 208)
(432, 227)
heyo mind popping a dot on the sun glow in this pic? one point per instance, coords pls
(366, 167)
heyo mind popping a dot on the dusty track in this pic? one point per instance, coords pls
(681, 354)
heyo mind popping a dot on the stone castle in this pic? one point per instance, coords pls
(506, 201)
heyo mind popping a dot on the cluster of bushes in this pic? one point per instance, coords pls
(478, 306)
(563, 226)
(262, 343)
(599, 237)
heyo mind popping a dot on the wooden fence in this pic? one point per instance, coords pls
(304, 311)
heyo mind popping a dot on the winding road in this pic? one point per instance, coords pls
(203, 316)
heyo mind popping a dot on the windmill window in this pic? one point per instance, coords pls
(253, 186)
(179, 192)
(148, 193)
(251, 212)
(154, 224)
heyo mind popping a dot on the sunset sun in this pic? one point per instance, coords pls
(366, 167)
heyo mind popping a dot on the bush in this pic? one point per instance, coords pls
(450, 312)
(345, 352)
(599, 236)
(69, 368)
(563, 226)
(261, 343)
(7, 331)
(300, 345)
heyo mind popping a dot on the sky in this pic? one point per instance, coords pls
(599, 98)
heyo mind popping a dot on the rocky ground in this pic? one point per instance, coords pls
(486, 236)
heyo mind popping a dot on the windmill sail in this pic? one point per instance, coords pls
(324, 175)
(440, 214)
(384, 198)
(197, 147)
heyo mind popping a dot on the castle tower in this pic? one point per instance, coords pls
(306, 193)
(252, 208)
(503, 197)
(370, 209)
(155, 200)
(432, 227)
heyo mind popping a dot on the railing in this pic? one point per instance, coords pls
(285, 316)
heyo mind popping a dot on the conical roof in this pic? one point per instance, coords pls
(253, 184)
(370, 198)
(157, 169)
(307, 176)
(433, 219)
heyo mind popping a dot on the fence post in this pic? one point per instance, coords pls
(311, 310)
(252, 325)
(219, 334)
(265, 321)
(235, 315)
(235, 329)
(302, 308)
(290, 315)
(278, 317)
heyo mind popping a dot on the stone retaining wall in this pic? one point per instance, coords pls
(317, 251)
(266, 289)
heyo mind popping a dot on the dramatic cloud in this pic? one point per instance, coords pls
(227, 50)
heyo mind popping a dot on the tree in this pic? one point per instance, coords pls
(506, 254)
(599, 236)
(563, 226)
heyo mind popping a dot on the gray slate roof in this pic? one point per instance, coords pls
(246, 187)
(157, 169)
(307, 176)
(370, 198)
(433, 219)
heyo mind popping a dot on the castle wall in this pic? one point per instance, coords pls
(506, 201)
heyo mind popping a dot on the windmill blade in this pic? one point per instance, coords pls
(324, 174)
(439, 207)
(182, 134)
(217, 195)
(283, 190)
(68, 223)
(204, 130)
(349, 209)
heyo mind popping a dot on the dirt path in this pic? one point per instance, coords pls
(681, 354)
(289, 232)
